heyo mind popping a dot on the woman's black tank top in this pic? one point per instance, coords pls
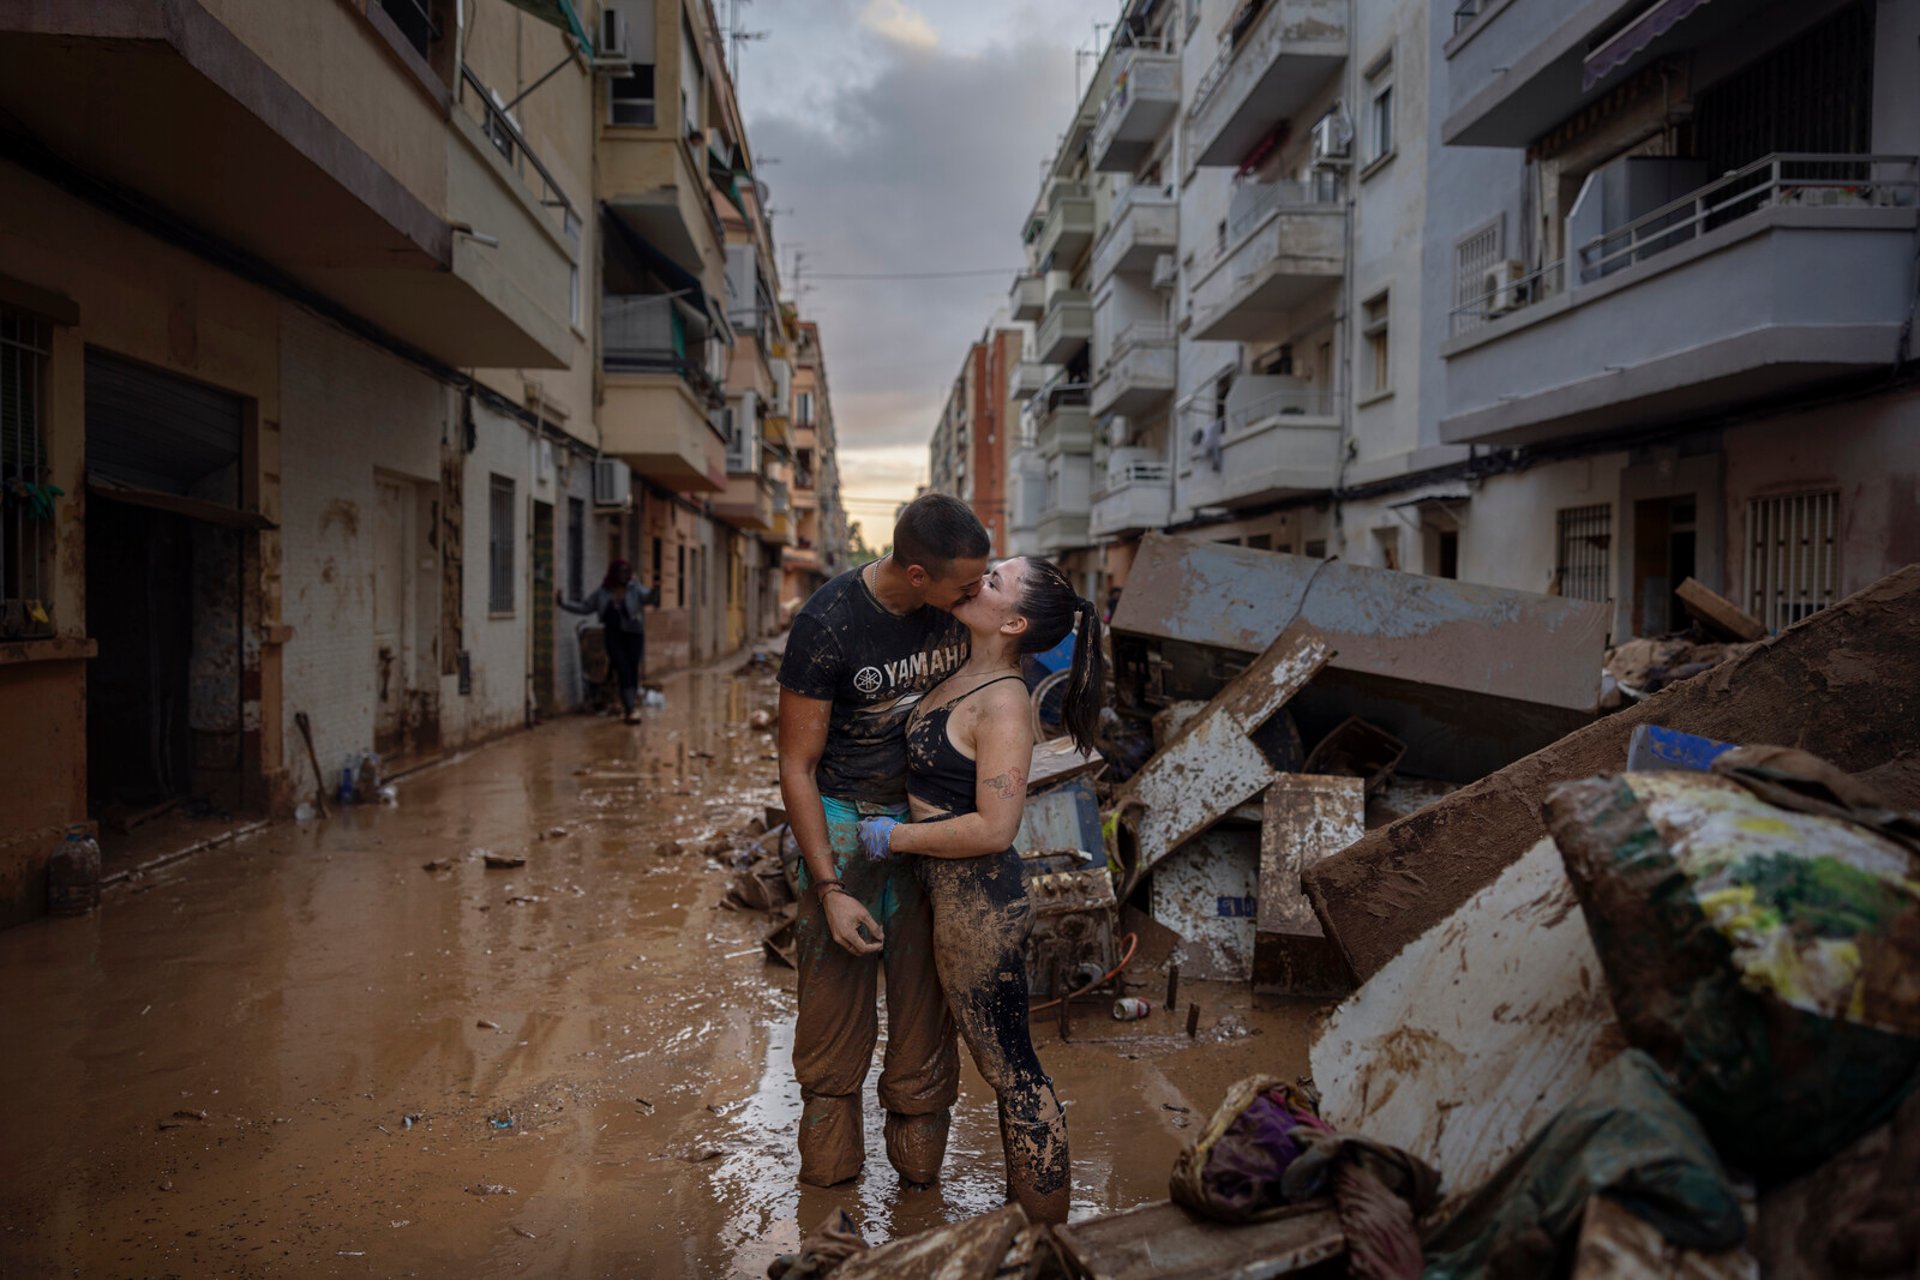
(937, 774)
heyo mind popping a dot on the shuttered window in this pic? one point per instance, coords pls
(500, 546)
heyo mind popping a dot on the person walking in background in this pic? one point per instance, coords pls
(861, 653)
(618, 602)
(969, 749)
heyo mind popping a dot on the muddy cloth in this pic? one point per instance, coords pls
(1624, 1136)
(1769, 959)
(838, 1023)
(981, 920)
(1232, 1169)
(821, 1250)
(847, 649)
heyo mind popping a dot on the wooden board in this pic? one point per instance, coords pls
(1165, 1242)
(1725, 619)
(971, 1249)
(1211, 766)
(1305, 817)
(1468, 1041)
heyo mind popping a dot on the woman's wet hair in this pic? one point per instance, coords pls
(1052, 608)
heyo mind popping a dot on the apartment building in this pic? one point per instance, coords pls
(819, 547)
(334, 339)
(1514, 291)
(970, 448)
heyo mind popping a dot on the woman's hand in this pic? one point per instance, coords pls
(846, 918)
(876, 837)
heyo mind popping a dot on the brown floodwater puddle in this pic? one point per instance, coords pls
(302, 1054)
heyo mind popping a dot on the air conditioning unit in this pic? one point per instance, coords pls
(1332, 137)
(613, 54)
(612, 483)
(1503, 287)
(1164, 271)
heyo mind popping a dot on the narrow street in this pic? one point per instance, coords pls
(214, 1074)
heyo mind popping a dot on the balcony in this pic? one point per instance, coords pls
(1518, 70)
(1284, 244)
(1029, 378)
(1145, 224)
(1780, 276)
(656, 185)
(1068, 327)
(1274, 57)
(1137, 495)
(1060, 420)
(1274, 438)
(1066, 503)
(1144, 100)
(663, 407)
(746, 502)
(339, 158)
(1028, 298)
(1141, 375)
(1066, 229)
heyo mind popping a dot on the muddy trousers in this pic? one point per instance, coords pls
(625, 651)
(838, 1023)
(981, 921)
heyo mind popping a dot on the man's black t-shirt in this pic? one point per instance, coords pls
(873, 666)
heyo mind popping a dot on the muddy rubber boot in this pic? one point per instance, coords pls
(917, 1145)
(832, 1142)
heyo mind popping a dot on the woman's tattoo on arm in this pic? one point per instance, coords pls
(1009, 785)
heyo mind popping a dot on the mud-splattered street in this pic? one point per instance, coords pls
(304, 1054)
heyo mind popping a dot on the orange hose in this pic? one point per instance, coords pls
(1133, 944)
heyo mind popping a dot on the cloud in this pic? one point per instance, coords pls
(900, 23)
(893, 158)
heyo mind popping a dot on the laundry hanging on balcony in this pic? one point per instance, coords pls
(1620, 48)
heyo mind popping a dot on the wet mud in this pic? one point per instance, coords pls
(303, 1053)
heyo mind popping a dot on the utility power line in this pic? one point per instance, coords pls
(916, 275)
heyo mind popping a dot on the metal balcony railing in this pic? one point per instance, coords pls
(1793, 179)
(1134, 473)
(512, 144)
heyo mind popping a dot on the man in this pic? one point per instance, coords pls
(862, 652)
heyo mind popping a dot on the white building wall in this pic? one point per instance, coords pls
(496, 643)
(348, 411)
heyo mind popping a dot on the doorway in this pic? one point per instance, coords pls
(1665, 554)
(543, 585)
(166, 549)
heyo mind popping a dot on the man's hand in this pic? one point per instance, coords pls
(876, 836)
(845, 919)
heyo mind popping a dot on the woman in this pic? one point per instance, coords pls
(969, 746)
(618, 602)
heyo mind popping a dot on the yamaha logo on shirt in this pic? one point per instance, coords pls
(867, 680)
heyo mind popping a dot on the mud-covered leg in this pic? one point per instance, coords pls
(981, 922)
(920, 1077)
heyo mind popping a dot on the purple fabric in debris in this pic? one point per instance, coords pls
(1245, 1166)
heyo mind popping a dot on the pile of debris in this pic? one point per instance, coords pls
(1640, 1002)
(1643, 666)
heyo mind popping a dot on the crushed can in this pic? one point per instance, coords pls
(1130, 1009)
(73, 875)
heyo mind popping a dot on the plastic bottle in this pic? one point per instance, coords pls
(1131, 1009)
(73, 875)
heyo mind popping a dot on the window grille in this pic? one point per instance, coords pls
(26, 529)
(500, 546)
(1793, 557)
(1473, 257)
(1581, 561)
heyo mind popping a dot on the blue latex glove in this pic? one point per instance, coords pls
(875, 837)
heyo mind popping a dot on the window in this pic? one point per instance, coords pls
(1793, 557)
(26, 523)
(1377, 129)
(1474, 255)
(806, 408)
(571, 225)
(630, 98)
(680, 576)
(1378, 374)
(576, 548)
(500, 546)
(657, 562)
(1581, 558)
(415, 20)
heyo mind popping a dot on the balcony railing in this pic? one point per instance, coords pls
(1253, 202)
(638, 335)
(1134, 473)
(1142, 333)
(507, 139)
(1244, 419)
(1782, 179)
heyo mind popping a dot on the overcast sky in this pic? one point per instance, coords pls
(901, 136)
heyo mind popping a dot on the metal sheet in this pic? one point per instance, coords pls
(1162, 1241)
(1207, 891)
(1402, 626)
(1305, 818)
(1476, 1034)
(1211, 766)
(1068, 817)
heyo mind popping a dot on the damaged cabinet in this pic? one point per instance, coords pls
(1305, 818)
